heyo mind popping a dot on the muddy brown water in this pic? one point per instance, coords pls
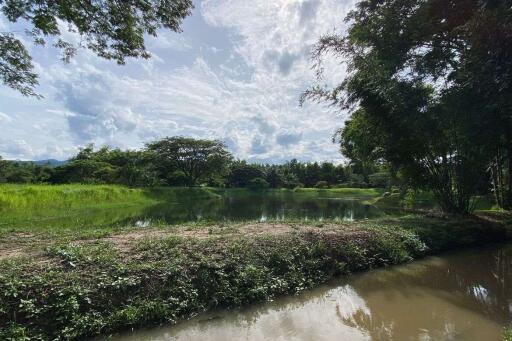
(457, 296)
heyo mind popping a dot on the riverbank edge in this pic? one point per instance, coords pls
(84, 288)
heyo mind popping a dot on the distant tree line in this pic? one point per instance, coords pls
(181, 161)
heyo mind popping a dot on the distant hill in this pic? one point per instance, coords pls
(50, 162)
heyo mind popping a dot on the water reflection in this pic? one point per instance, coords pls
(464, 296)
(232, 205)
(262, 206)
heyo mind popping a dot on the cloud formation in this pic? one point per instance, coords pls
(235, 73)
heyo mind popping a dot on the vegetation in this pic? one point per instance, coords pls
(428, 91)
(111, 29)
(66, 289)
(64, 196)
(507, 335)
(429, 88)
(194, 160)
(179, 161)
(88, 210)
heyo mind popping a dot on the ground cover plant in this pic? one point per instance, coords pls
(72, 287)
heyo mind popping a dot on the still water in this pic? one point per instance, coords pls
(228, 206)
(268, 205)
(459, 296)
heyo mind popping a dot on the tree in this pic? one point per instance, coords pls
(111, 29)
(312, 174)
(275, 177)
(241, 174)
(359, 141)
(3, 170)
(198, 159)
(106, 165)
(258, 184)
(414, 78)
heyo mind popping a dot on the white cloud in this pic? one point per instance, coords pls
(248, 99)
(168, 40)
(4, 118)
(14, 149)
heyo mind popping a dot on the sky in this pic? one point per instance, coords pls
(235, 73)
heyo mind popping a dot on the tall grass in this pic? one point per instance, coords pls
(16, 197)
(83, 207)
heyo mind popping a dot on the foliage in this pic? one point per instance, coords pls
(19, 172)
(380, 180)
(111, 29)
(322, 184)
(359, 141)
(177, 161)
(258, 184)
(107, 166)
(197, 159)
(507, 334)
(414, 85)
(241, 174)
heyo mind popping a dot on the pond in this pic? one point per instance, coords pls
(458, 296)
(220, 206)
(245, 205)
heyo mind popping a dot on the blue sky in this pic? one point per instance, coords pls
(235, 73)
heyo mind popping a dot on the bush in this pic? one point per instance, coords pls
(258, 184)
(177, 178)
(322, 184)
(380, 180)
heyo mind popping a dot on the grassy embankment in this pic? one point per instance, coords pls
(62, 208)
(76, 286)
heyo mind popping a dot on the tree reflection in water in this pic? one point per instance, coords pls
(440, 298)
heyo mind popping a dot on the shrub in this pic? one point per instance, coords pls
(177, 178)
(380, 180)
(258, 184)
(322, 184)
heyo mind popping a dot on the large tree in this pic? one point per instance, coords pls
(110, 28)
(432, 79)
(199, 160)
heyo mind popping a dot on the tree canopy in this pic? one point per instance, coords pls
(111, 29)
(429, 85)
(197, 159)
(180, 161)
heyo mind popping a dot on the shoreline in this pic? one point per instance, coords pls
(75, 288)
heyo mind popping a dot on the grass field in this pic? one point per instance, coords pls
(17, 197)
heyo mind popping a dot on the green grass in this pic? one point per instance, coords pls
(18, 197)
